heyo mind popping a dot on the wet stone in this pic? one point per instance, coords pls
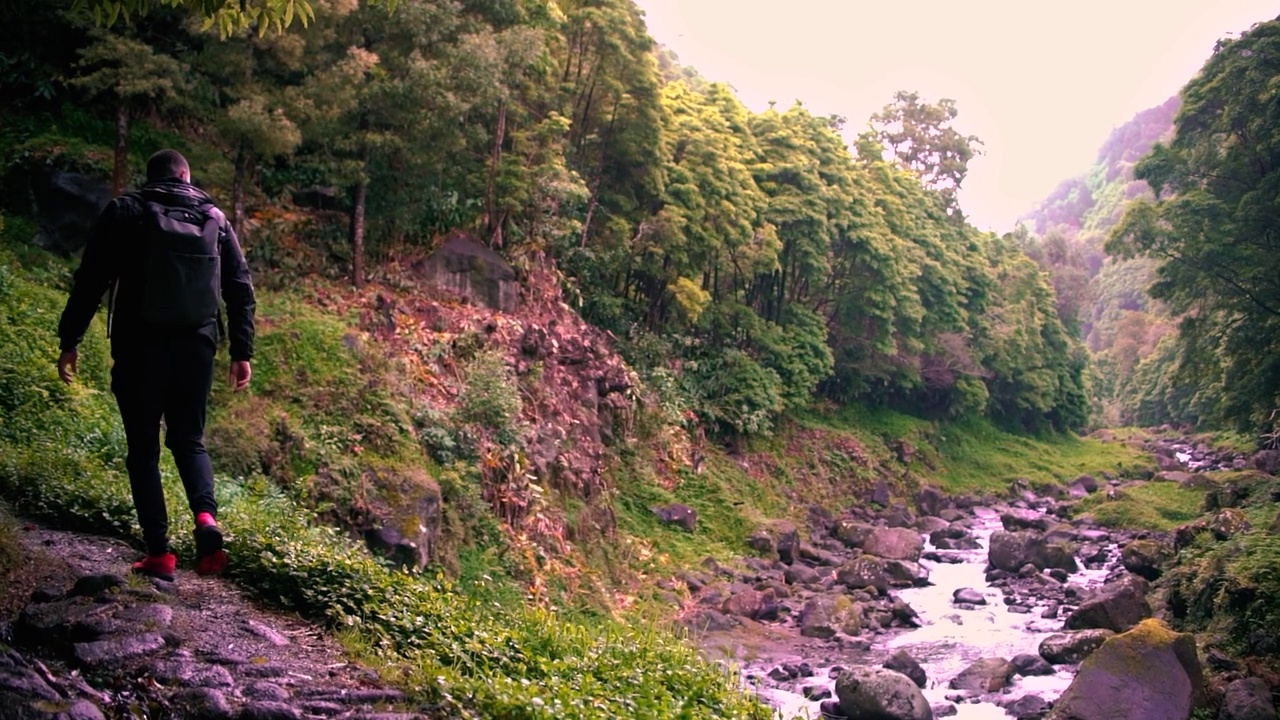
(102, 652)
(945, 710)
(1019, 609)
(831, 709)
(816, 692)
(269, 710)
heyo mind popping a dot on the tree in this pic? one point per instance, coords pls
(228, 16)
(134, 76)
(920, 137)
(1212, 226)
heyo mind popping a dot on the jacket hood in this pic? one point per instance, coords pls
(174, 192)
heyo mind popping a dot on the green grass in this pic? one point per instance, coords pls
(976, 456)
(1150, 506)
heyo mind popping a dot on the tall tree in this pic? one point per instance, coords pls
(134, 77)
(1213, 224)
(920, 137)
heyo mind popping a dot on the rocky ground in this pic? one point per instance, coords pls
(84, 641)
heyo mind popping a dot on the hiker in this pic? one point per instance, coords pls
(169, 256)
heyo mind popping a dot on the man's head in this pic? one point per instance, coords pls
(168, 164)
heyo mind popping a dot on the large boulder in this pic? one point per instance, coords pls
(1248, 699)
(407, 529)
(1117, 606)
(66, 205)
(894, 544)
(465, 267)
(880, 694)
(824, 616)
(929, 500)
(1073, 647)
(1147, 673)
(987, 675)
(851, 532)
(1228, 523)
(1011, 550)
(864, 571)
(677, 514)
(1018, 519)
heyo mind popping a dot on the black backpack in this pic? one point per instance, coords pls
(182, 280)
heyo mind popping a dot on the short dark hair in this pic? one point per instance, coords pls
(166, 164)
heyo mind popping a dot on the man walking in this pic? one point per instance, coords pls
(169, 256)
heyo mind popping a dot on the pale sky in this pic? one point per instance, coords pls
(1041, 83)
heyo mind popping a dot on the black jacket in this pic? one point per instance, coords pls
(117, 251)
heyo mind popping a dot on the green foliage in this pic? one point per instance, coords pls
(920, 137)
(1210, 228)
(489, 397)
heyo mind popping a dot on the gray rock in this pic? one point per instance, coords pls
(929, 500)
(92, 585)
(268, 710)
(1017, 519)
(882, 694)
(1011, 551)
(986, 675)
(814, 693)
(824, 616)
(1071, 648)
(945, 710)
(894, 544)
(191, 674)
(930, 524)
(969, 596)
(265, 670)
(266, 632)
(1118, 606)
(263, 690)
(151, 616)
(26, 684)
(66, 204)
(1248, 699)
(1149, 672)
(468, 268)
(203, 704)
(902, 662)
(116, 649)
(747, 603)
(1027, 707)
(862, 572)
(801, 575)
(1029, 665)
(851, 532)
(678, 514)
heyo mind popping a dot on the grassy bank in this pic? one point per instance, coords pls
(61, 452)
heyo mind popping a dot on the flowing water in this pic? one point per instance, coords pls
(949, 638)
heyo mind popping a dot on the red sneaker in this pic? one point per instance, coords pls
(211, 559)
(157, 566)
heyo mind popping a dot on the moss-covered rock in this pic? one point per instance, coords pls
(1147, 673)
(1146, 558)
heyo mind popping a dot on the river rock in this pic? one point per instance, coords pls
(881, 694)
(851, 532)
(929, 524)
(904, 573)
(746, 602)
(894, 544)
(1011, 550)
(968, 596)
(1018, 519)
(1073, 647)
(862, 572)
(1147, 673)
(1027, 707)
(824, 616)
(1028, 665)
(801, 575)
(902, 662)
(1228, 523)
(1248, 699)
(1146, 558)
(1117, 606)
(983, 676)
(929, 500)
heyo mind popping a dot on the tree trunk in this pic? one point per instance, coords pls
(120, 169)
(237, 191)
(491, 196)
(357, 233)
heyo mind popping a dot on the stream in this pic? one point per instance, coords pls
(949, 638)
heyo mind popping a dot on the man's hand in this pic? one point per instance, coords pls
(240, 374)
(67, 362)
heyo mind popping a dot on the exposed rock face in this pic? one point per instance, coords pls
(881, 694)
(1148, 673)
(1071, 648)
(1117, 606)
(406, 532)
(894, 544)
(470, 270)
(1012, 550)
(1248, 699)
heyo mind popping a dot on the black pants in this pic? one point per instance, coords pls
(169, 376)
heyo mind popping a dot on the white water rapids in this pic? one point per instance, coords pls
(949, 638)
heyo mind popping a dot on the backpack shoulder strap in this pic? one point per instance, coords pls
(212, 224)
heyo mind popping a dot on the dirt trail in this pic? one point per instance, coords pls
(83, 640)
